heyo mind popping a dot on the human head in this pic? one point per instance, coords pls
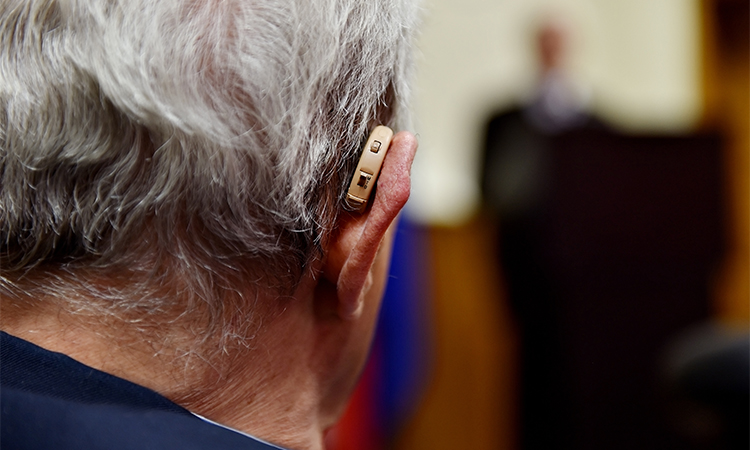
(183, 148)
(172, 182)
(552, 38)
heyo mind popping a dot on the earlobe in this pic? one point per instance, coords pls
(354, 248)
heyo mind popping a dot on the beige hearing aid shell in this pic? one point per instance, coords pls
(368, 169)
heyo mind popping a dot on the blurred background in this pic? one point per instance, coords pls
(573, 270)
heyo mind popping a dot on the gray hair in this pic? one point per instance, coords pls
(180, 147)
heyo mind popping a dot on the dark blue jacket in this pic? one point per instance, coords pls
(50, 401)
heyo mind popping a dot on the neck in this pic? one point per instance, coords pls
(250, 386)
(269, 393)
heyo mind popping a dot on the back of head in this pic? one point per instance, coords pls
(177, 147)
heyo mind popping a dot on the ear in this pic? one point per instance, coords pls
(354, 247)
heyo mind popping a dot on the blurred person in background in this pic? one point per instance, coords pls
(518, 154)
(517, 138)
(176, 267)
(608, 243)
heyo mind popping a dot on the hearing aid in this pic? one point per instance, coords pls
(368, 169)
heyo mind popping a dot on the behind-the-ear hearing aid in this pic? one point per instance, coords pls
(368, 169)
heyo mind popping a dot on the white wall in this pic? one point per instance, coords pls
(639, 57)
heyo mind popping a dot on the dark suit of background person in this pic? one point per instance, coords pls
(516, 174)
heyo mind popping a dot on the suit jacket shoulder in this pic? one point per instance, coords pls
(50, 401)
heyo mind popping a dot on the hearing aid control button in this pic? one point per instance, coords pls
(364, 179)
(375, 147)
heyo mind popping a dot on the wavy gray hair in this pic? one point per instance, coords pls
(178, 147)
